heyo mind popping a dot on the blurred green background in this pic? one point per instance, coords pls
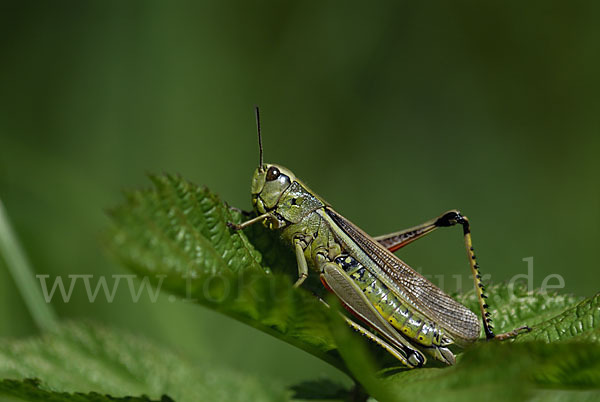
(392, 111)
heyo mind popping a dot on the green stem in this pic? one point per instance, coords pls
(18, 266)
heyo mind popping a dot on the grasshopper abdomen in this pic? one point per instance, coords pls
(405, 319)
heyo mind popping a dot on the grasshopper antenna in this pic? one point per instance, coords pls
(260, 148)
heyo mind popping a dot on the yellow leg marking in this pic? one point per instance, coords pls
(480, 289)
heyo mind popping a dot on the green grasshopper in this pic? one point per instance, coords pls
(410, 315)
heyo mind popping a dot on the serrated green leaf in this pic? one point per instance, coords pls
(29, 390)
(515, 306)
(88, 358)
(581, 321)
(180, 231)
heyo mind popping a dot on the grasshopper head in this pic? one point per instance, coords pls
(269, 182)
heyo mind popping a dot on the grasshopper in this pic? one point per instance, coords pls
(407, 315)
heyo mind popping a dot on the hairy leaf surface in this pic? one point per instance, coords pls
(87, 362)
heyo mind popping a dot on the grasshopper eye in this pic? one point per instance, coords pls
(273, 173)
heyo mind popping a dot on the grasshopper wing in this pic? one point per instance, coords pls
(407, 283)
